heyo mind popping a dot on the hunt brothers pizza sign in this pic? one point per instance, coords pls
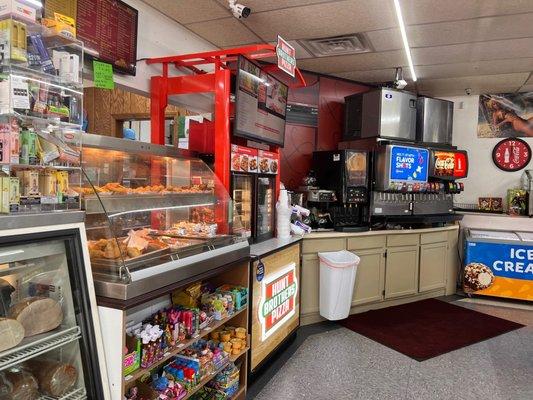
(278, 300)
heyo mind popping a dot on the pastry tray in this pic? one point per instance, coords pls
(131, 263)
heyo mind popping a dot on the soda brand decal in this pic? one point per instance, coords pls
(278, 300)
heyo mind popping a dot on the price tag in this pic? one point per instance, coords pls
(128, 377)
(180, 345)
(207, 328)
(166, 354)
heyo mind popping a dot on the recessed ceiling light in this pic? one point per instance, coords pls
(404, 38)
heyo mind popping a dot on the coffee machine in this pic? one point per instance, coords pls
(346, 173)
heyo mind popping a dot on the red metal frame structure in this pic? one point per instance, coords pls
(217, 82)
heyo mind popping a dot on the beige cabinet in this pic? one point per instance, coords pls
(370, 277)
(401, 276)
(433, 259)
(310, 283)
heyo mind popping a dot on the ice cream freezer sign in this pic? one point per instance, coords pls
(499, 269)
(278, 300)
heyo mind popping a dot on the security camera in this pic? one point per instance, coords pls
(399, 82)
(239, 11)
(468, 91)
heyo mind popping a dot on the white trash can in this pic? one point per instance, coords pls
(337, 278)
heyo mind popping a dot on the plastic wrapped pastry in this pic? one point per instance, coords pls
(55, 378)
(17, 384)
(37, 314)
(11, 333)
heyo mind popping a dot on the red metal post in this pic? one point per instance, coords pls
(158, 104)
(222, 127)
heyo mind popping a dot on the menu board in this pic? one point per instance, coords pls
(109, 29)
(409, 164)
(261, 104)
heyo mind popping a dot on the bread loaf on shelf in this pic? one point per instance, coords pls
(17, 384)
(37, 314)
(55, 378)
(5, 296)
(11, 333)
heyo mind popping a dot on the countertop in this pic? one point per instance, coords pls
(333, 234)
(272, 245)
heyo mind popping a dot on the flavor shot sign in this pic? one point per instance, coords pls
(278, 300)
(409, 164)
(499, 269)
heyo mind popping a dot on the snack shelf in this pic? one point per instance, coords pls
(27, 73)
(238, 393)
(39, 166)
(76, 394)
(234, 357)
(204, 381)
(43, 121)
(115, 204)
(37, 345)
(131, 378)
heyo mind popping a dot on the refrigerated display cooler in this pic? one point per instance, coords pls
(50, 344)
(498, 263)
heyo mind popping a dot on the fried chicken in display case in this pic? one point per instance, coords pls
(147, 205)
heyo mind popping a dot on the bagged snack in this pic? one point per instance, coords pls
(37, 314)
(11, 333)
(55, 378)
(17, 384)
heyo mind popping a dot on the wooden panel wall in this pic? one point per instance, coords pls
(107, 108)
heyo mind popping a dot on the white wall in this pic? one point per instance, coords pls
(484, 178)
(159, 36)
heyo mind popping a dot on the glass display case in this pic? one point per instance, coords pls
(41, 103)
(48, 320)
(153, 216)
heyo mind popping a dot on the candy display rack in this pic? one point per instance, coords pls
(41, 106)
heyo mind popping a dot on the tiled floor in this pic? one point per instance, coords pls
(334, 363)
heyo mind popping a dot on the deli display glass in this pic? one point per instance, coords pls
(265, 207)
(242, 190)
(154, 215)
(50, 340)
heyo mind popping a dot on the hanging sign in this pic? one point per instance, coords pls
(286, 56)
(278, 300)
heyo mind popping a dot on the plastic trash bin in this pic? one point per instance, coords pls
(337, 278)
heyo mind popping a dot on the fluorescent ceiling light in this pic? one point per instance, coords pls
(404, 38)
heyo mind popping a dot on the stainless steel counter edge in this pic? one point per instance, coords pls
(271, 245)
(20, 221)
(324, 235)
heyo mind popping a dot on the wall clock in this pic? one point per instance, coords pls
(511, 154)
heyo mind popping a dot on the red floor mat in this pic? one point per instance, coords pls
(427, 328)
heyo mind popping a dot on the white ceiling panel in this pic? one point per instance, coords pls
(472, 30)
(377, 75)
(495, 50)
(526, 88)
(425, 11)
(301, 53)
(188, 11)
(474, 68)
(266, 5)
(323, 20)
(224, 32)
(478, 84)
(357, 62)
(530, 80)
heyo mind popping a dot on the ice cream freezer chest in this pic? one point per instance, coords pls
(498, 263)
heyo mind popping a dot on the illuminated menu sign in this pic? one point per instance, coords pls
(409, 164)
(109, 29)
(449, 164)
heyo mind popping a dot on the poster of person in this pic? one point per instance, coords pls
(505, 115)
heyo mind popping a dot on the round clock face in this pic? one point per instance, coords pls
(511, 154)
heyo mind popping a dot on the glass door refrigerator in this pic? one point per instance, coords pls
(50, 340)
(253, 181)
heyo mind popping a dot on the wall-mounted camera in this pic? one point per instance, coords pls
(468, 91)
(238, 10)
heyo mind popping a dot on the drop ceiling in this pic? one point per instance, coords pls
(485, 45)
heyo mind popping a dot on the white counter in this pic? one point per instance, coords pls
(271, 245)
(496, 221)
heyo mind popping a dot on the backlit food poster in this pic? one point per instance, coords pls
(261, 105)
(409, 164)
(275, 301)
(505, 115)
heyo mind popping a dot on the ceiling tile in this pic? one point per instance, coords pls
(530, 80)
(378, 75)
(424, 11)
(495, 50)
(188, 11)
(526, 88)
(323, 20)
(301, 53)
(474, 68)
(472, 30)
(224, 32)
(478, 84)
(356, 62)
(262, 5)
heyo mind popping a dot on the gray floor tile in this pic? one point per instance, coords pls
(341, 364)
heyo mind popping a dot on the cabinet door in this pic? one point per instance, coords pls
(433, 266)
(309, 295)
(401, 271)
(370, 277)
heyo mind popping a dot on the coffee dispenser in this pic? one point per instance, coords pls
(346, 173)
